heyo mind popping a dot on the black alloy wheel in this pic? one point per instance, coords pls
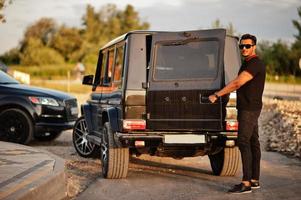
(16, 126)
(79, 137)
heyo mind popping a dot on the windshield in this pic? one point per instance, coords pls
(6, 79)
(196, 59)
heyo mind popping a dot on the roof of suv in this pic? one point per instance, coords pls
(124, 36)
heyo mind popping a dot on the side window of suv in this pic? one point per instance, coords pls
(110, 66)
(118, 67)
(103, 67)
(107, 66)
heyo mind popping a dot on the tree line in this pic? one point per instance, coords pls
(282, 58)
(45, 42)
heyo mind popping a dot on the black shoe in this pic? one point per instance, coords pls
(240, 189)
(255, 185)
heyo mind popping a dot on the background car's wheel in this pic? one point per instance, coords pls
(79, 137)
(226, 162)
(16, 126)
(115, 160)
(48, 136)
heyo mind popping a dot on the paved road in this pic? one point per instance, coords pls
(192, 179)
(166, 178)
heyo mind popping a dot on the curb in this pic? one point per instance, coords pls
(45, 180)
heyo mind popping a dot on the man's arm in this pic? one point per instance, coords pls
(239, 81)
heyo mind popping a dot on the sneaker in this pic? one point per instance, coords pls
(255, 185)
(240, 189)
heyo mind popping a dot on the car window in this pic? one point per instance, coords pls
(6, 79)
(103, 66)
(110, 65)
(186, 60)
(118, 67)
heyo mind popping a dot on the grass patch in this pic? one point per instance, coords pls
(52, 72)
(283, 79)
(62, 85)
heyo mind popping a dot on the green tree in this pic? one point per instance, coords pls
(277, 57)
(67, 44)
(11, 57)
(37, 54)
(92, 25)
(296, 47)
(3, 4)
(106, 24)
(130, 20)
(67, 41)
(297, 25)
(43, 29)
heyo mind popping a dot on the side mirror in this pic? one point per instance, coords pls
(88, 80)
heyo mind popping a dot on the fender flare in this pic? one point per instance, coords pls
(21, 103)
(112, 118)
(86, 112)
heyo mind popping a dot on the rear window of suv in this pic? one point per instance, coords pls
(185, 60)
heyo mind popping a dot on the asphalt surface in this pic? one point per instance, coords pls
(191, 178)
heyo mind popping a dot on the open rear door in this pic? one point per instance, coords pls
(185, 68)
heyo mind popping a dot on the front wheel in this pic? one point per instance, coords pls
(79, 138)
(226, 162)
(16, 126)
(115, 160)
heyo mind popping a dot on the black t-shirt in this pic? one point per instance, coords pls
(249, 96)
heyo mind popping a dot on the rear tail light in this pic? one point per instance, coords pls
(231, 125)
(136, 124)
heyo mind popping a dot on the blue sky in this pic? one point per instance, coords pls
(267, 19)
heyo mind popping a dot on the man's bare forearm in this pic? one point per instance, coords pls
(232, 86)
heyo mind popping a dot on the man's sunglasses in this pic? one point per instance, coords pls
(247, 46)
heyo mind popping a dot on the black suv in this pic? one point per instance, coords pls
(150, 96)
(30, 112)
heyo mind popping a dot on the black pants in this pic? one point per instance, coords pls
(248, 143)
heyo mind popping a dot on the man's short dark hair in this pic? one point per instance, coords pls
(249, 36)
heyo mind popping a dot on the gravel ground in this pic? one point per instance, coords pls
(283, 126)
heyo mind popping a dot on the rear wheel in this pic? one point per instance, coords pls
(16, 126)
(226, 162)
(115, 160)
(79, 138)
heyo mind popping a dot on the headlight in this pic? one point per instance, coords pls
(44, 101)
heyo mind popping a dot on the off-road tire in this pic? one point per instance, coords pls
(16, 126)
(115, 160)
(226, 162)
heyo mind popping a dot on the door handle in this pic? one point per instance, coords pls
(204, 99)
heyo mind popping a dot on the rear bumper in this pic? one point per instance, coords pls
(128, 139)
